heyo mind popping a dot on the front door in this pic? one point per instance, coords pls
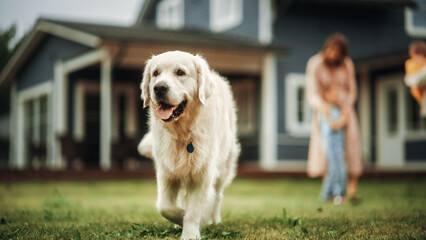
(390, 121)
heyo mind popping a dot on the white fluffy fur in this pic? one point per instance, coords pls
(190, 185)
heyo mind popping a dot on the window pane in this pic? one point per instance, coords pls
(28, 127)
(122, 115)
(300, 104)
(28, 120)
(244, 94)
(43, 120)
(170, 14)
(392, 106)
(413, 113)
(225, 14)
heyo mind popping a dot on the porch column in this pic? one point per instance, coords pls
(106, 110)
(20, 146)
(268, 129)
(59, 114)
(364, 116)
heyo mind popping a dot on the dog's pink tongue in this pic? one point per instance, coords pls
(165, 114)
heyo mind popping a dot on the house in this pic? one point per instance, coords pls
(75, 97)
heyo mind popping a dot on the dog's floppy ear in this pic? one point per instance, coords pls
(145, 82)
(204, 73)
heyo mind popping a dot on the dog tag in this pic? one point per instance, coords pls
(190, 147)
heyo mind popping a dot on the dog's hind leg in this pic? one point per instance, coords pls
(166, 202)
(227, 175)
(217, 204)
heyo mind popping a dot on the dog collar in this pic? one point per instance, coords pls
(190, 148)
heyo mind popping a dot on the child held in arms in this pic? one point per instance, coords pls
(415, 70)
(331, 129)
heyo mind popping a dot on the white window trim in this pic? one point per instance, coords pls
(23, 96)
(165, 21)
(291, 82)
(220, 24)
(265, 21)
(413, 31)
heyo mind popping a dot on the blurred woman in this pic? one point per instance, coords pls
(333, 67)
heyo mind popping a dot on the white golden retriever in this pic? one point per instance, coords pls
(193, 137)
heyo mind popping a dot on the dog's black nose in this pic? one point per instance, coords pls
(160, 89)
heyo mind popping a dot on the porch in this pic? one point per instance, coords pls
(90, 115)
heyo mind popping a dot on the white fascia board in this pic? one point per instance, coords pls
(83, 60)
(69, 33)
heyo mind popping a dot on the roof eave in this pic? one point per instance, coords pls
(41, 28)
(95, 40)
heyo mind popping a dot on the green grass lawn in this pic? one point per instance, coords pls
(253, 209)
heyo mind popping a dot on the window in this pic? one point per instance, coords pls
(297, 111)
(415, 123)
(245, 96)
(392, 111)
(36, 126)
(225, 14)
(124, 122)
(170, 14)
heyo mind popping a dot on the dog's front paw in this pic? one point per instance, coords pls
(190, 236)
(190, 232)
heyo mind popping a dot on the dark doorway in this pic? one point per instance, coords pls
(92, 123)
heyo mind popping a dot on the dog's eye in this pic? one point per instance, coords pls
(155, 73)
(180, 72)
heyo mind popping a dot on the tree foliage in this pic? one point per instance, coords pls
(6, 51)
(5, 42)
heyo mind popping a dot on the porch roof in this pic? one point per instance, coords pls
(98, 35)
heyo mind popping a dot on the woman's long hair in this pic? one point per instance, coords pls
(339, 40)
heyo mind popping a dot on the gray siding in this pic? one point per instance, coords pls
(292, 152)
(197, 14)
(374, 32)
(40, 67)
(303, 29)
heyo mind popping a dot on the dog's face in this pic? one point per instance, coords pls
(172, 80)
